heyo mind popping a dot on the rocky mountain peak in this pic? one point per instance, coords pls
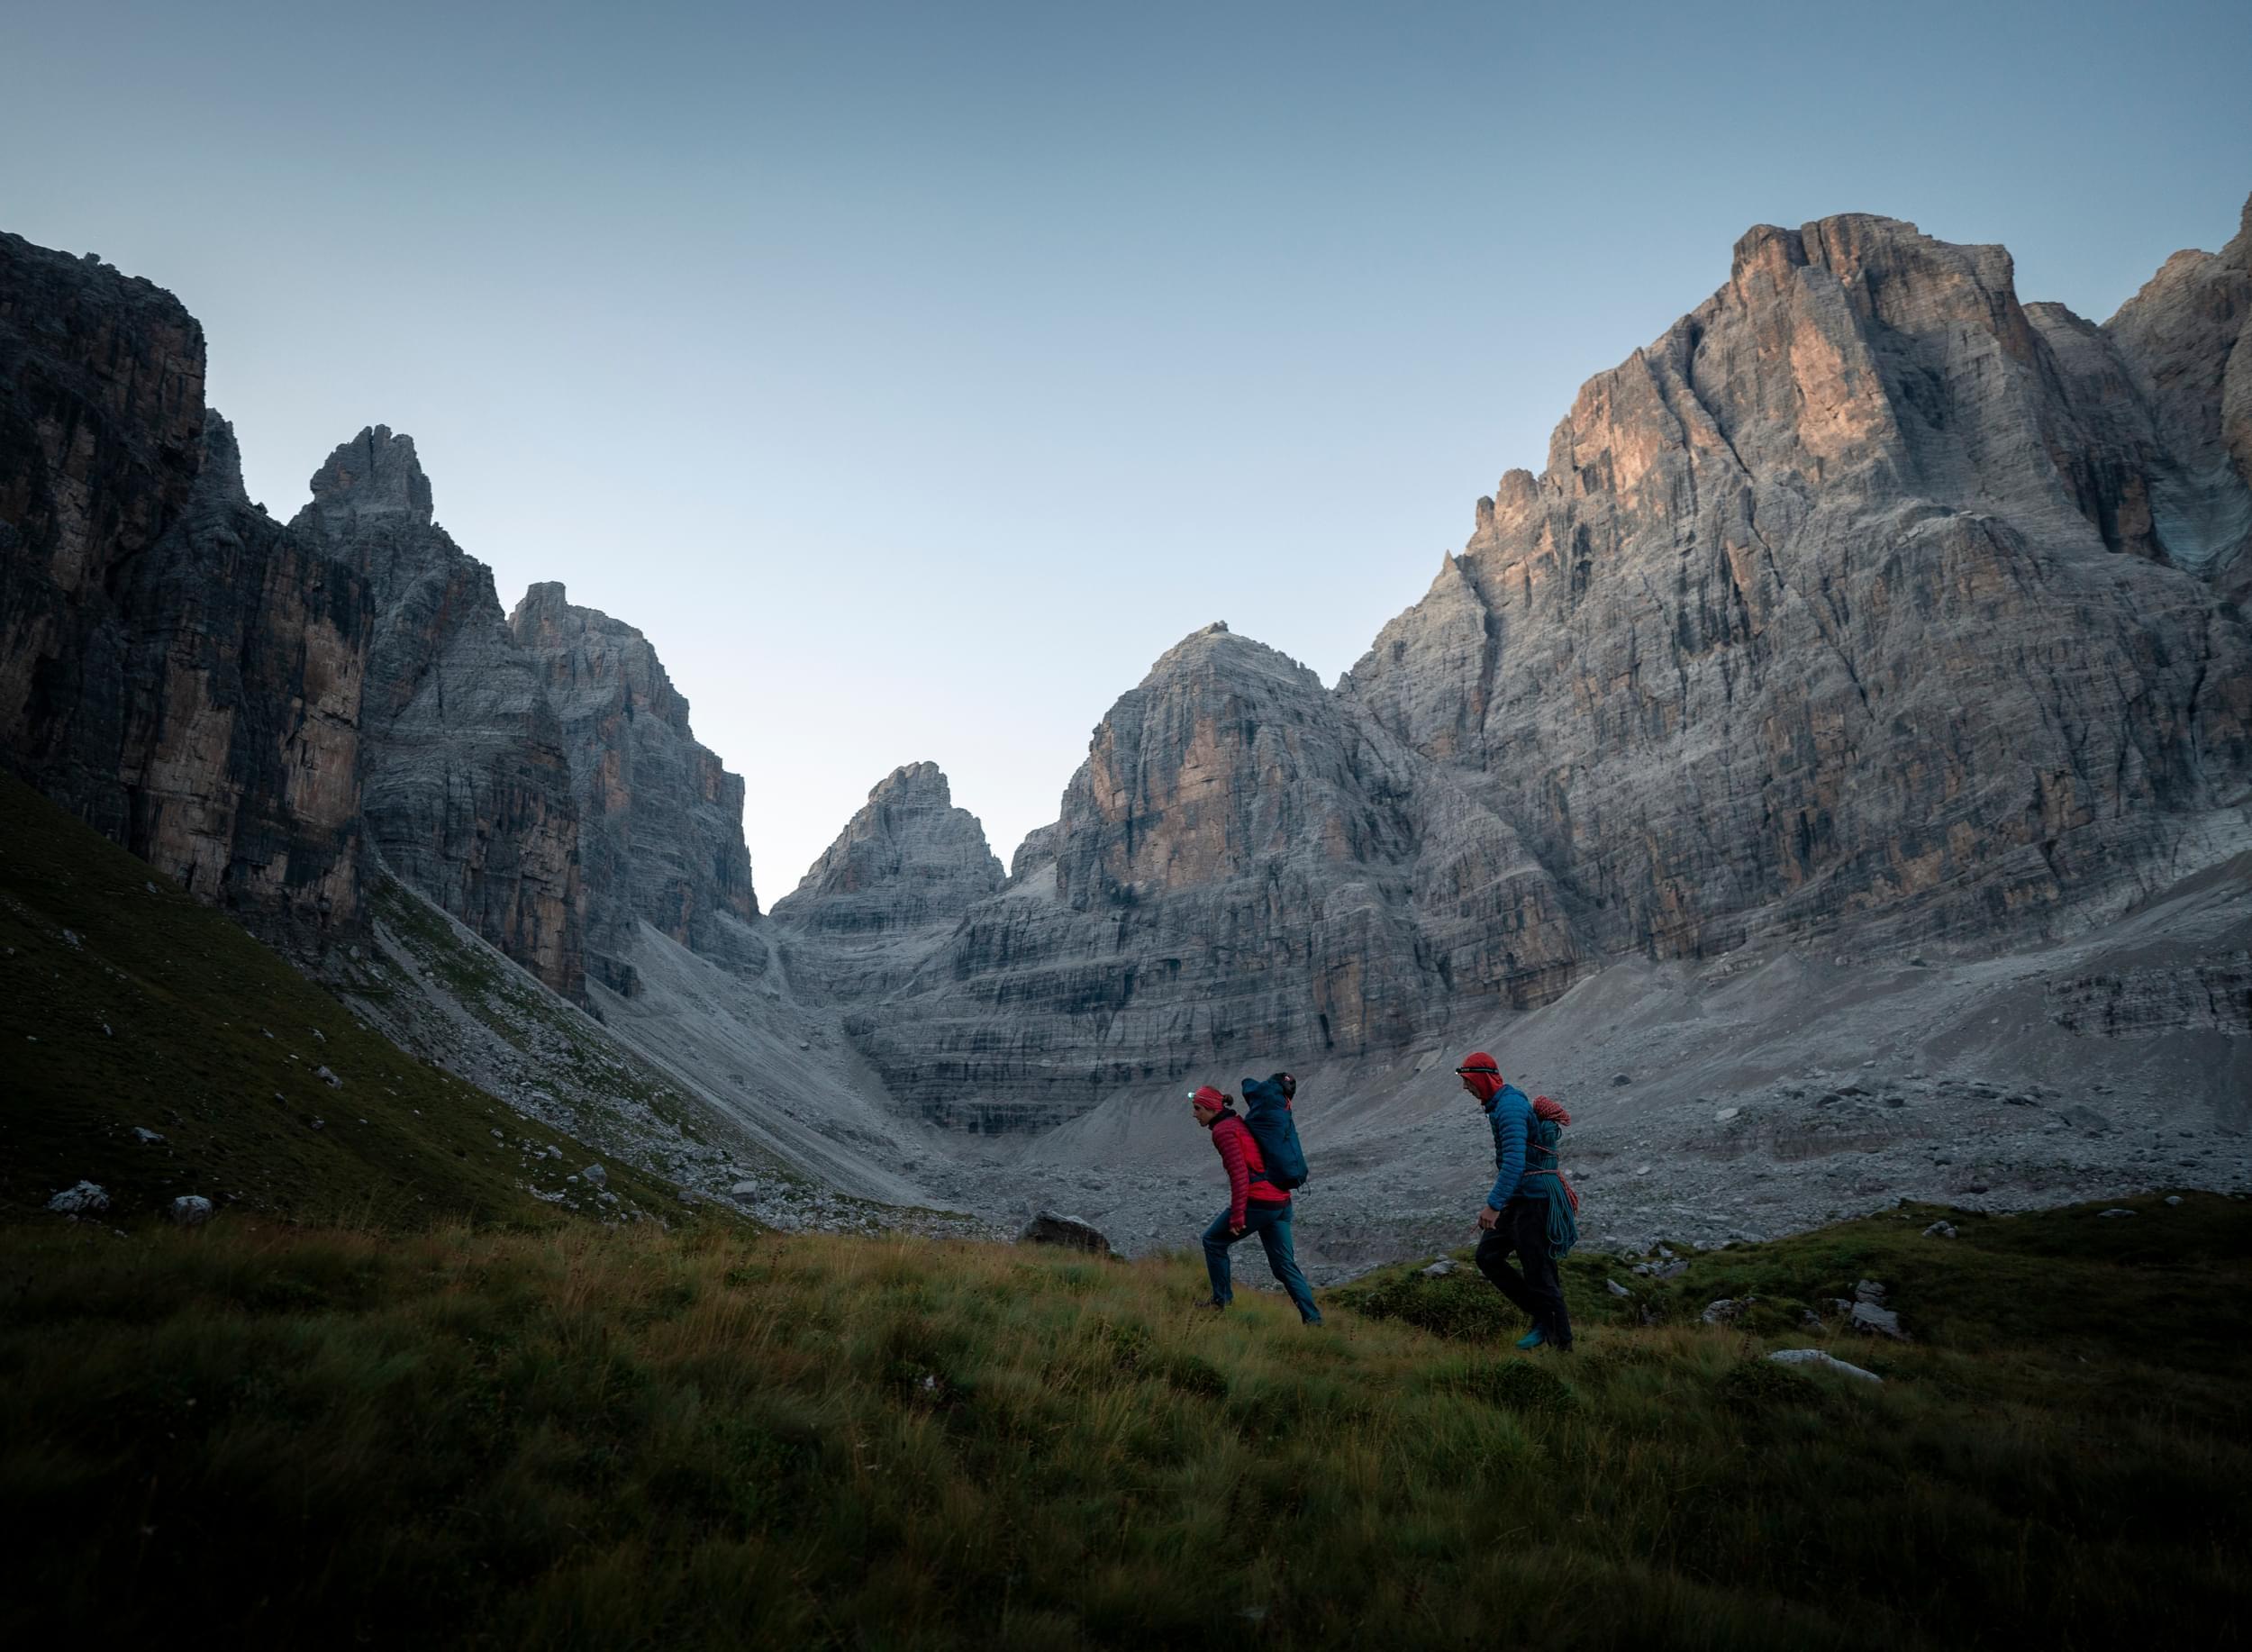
(375, 474)
(908, 859)
(1865, 457)
(544, 616)
(1228, 756)
(595, 652)
(914, 783)
(1214, 649)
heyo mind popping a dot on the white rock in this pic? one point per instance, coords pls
(1816, 1359)
(87, 1199)
(1616, 1289)
(142, 1133)
(189, 1210)
(1440, 1268)
(596, 1175)
(2116, 1211)
(1725, 1114)
(1940, 1229)
(2174, 1198)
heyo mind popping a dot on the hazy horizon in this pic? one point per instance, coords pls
(914, 380)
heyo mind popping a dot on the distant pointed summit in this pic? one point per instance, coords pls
(909, 859)
(375, 473)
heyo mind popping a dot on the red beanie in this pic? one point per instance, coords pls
(1483, 1074)
(1206, 1097)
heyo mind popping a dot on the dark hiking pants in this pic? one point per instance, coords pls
(1271, 1223)
(1523, 1229)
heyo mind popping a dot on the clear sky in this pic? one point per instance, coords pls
(914, 374)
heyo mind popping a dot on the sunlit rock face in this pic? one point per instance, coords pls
(175, 667)
(1231, 875)
(1867, 601)
(660, 818)
(466, 786)
(1863, 596)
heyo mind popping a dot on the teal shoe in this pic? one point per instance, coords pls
(1532, 1339)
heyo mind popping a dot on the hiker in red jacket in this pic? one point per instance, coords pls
(1254, 1205)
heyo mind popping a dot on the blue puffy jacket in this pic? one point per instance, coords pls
(1510, 1113)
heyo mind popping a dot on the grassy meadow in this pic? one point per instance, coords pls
(261, 1435)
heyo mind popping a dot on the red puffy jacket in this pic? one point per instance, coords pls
(1246, 1167)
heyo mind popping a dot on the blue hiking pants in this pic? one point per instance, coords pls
(1271, 1223)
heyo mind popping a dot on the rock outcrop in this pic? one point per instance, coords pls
(175, 667)
(466, 788)
(1862, 598)
(660, 818)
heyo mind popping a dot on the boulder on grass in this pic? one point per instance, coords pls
(1877, 1322)
(1047, 1227)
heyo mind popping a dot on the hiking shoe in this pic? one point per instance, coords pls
(1212, 1304)
(1532, 1339)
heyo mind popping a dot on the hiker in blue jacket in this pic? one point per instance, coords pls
(1523, 1213)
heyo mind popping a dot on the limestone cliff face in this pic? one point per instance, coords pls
(174, 668)
(466, 789)
(661, 819)
(1865, 601)
(1230, 877)
(1863, 596)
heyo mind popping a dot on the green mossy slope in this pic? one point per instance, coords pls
(126, 1005)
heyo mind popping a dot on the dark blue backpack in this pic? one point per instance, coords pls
(1266, 1112)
